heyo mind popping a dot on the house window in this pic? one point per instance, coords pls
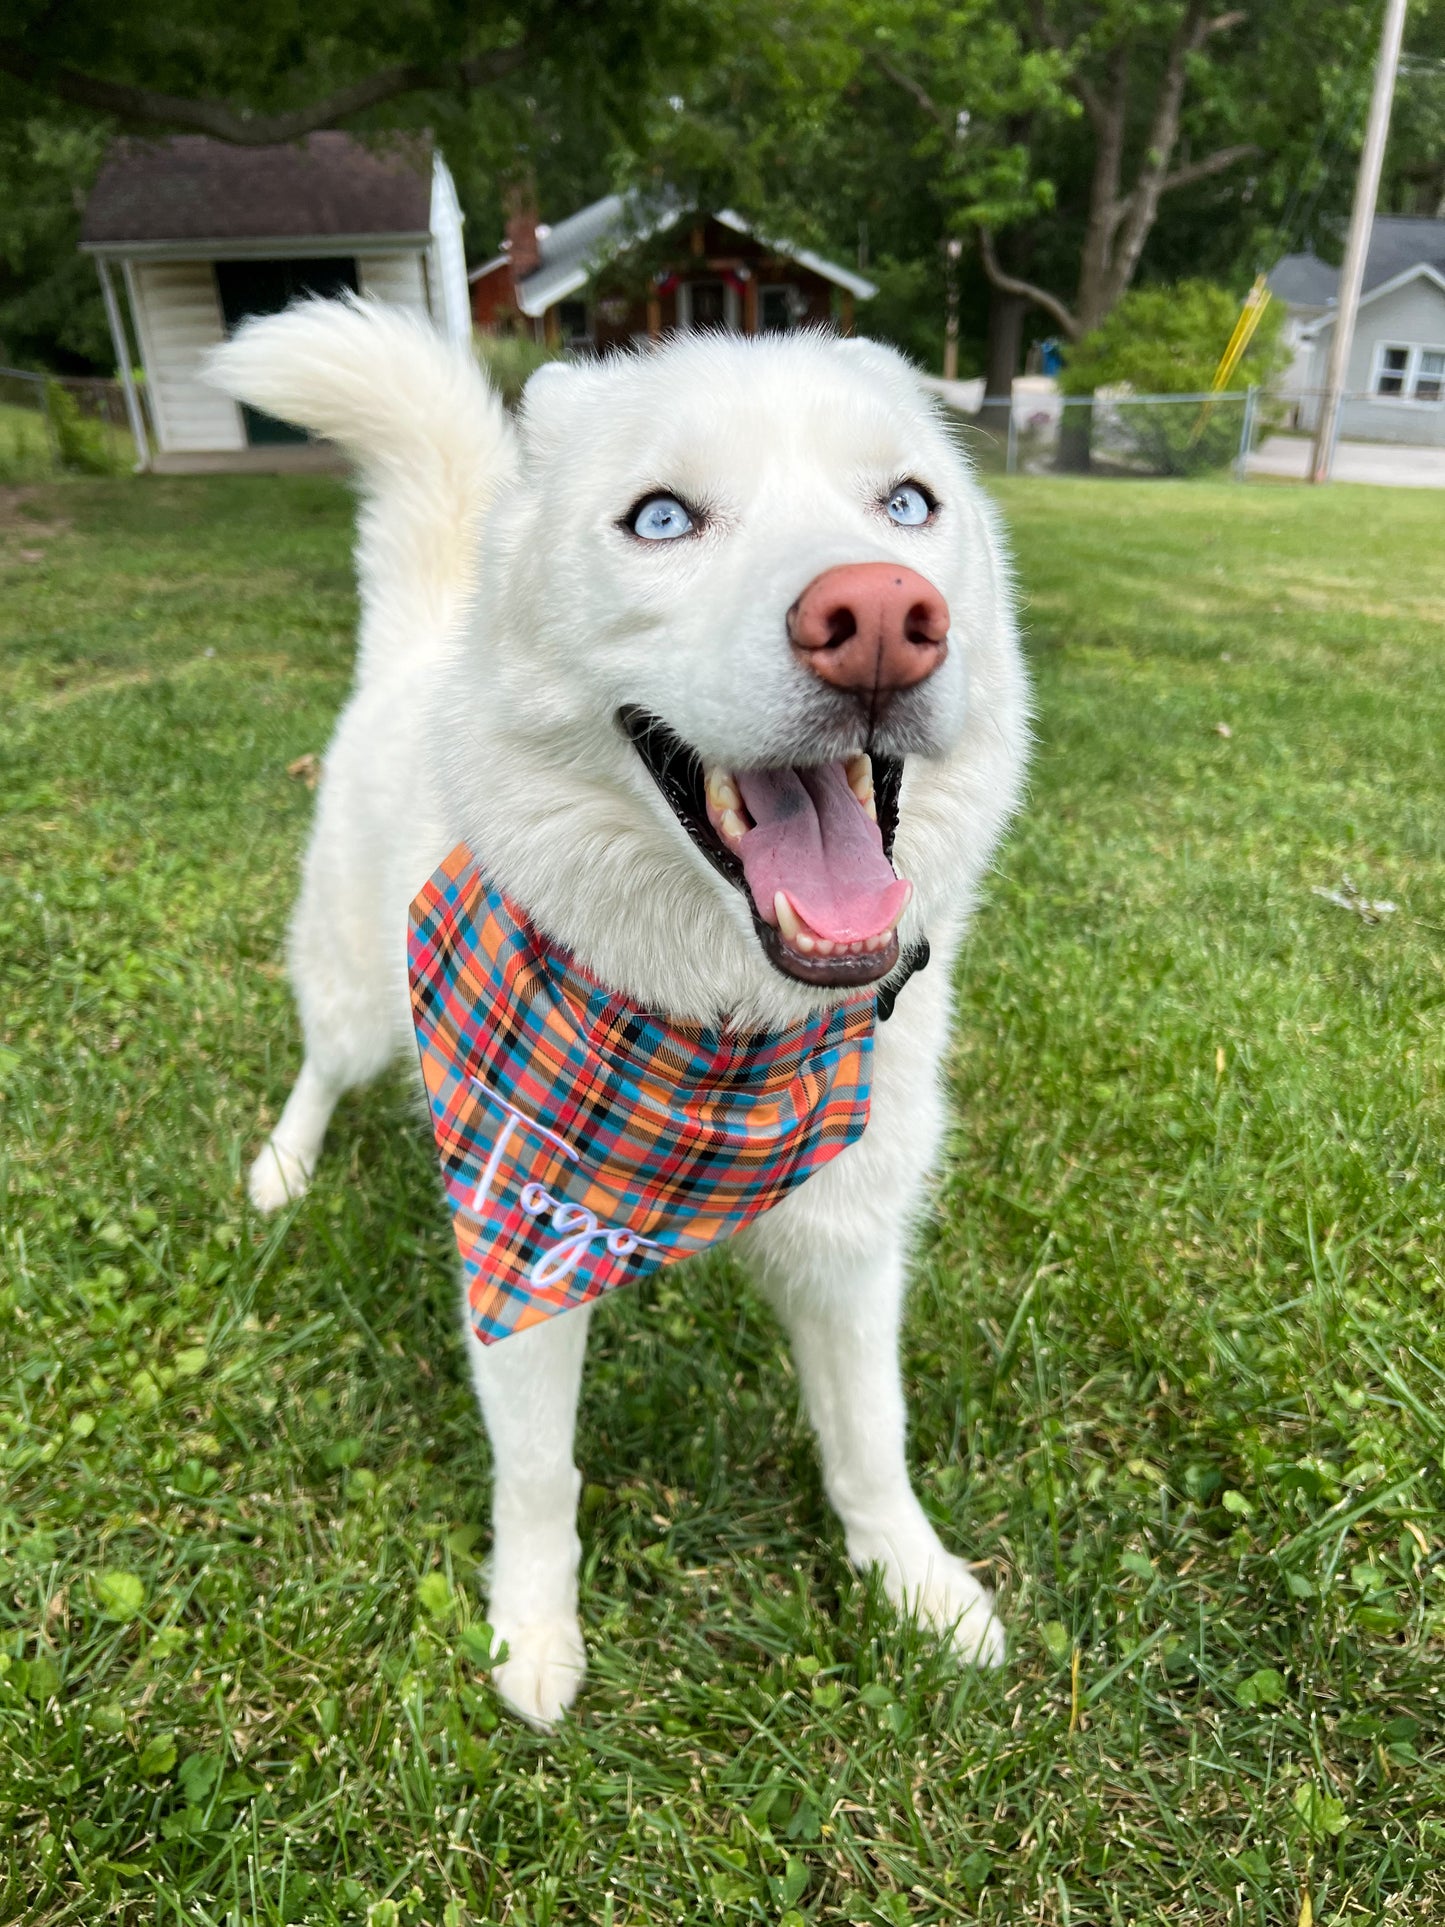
(1404, 372)
(1392, 367)
(572, 324)
(777, 310)
(707, 304)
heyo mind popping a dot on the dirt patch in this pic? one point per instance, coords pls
(21, 516)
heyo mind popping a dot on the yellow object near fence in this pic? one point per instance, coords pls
(1250, 316)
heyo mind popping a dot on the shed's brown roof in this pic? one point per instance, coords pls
(191, 188)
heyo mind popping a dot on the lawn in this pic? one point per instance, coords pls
(1175, 1344)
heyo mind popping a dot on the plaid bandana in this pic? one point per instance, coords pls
(585, 1141)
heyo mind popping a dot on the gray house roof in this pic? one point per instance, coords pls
(192, 188)
(1304, 281)
(1398, 245)
(1398, 242)
(573, 250)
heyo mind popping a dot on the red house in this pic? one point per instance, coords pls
(624, 270)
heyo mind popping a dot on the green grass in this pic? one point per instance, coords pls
(1174, 1348)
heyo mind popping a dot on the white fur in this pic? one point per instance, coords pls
(505, 619)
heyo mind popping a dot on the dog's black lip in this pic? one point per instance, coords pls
(677, 770)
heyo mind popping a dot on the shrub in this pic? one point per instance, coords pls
(508, 360)
(1168, 340)
(80, 442)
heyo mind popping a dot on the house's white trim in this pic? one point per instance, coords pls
(124, 365)
(446, 260)
(1412, 350)
(1401, 280)
(262, 248)
(543, 290)
(490, 267)
(805, 257)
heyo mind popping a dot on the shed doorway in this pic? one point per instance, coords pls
(249, 288)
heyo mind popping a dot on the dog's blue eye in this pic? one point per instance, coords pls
(662, 519)
(908, 505)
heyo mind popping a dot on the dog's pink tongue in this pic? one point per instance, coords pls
(813, 838)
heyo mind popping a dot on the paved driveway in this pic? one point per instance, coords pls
(1387, 463)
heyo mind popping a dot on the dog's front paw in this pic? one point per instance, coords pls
(953, 1602)
(941, 1592)
(544, 1668)
(277, 1177)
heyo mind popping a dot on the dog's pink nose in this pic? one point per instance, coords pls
(871, 628)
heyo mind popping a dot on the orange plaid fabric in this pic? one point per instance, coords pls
(583, 1140)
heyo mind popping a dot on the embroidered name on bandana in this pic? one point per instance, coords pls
(585, 1141)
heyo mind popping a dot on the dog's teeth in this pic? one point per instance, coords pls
(825, 946)
(787, 917)
(804, 943)
(732, 826)
(722, 791)
(860, 777)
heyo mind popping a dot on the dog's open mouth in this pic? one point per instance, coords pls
(810, 848)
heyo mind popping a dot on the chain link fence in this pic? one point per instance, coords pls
(1120, 435)
(1253, 432)
(61, 424)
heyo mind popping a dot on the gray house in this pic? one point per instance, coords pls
(1395, 382)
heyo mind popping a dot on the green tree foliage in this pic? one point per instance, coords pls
(544, 88)
(1002, 158)
(50, 306)
(1414, 181)
(273, 71)
(1066, 146)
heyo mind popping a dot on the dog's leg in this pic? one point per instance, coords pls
(527, 1386)
(347, 998)
(842, 1311)
(283, 1167)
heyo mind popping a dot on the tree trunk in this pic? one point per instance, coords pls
(1109, 114)
(1005, 343)
(1074, 455)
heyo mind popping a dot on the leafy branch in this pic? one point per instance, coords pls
(142, 107)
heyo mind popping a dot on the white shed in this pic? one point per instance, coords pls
(191, 236)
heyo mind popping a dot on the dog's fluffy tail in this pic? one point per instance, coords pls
(431, 438)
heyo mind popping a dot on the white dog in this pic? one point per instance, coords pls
(595, 645)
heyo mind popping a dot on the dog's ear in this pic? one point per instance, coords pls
(881, 353)
(548, 401)
(879, 359)
(546, 381)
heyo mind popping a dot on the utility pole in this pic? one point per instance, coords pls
(1362, 221)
